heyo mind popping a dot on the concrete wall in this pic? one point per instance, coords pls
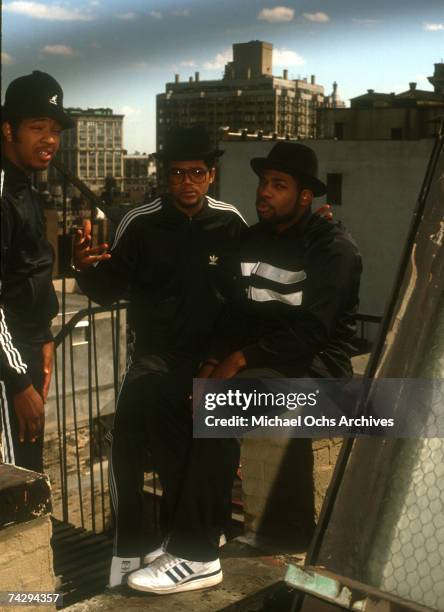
(380, 186)
(284, 482)
(26, 556)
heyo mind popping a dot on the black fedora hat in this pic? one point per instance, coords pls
(295, 159)
(187, 143)
(35, 95)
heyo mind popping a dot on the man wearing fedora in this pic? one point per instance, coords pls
(299, 281)
(176, 258)
(32, 121)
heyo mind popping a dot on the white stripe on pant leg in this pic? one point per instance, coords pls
(4, 455)
(7, 434)
(112, 479)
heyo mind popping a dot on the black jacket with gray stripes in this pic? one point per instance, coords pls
(298, 299)
(176, 272)
(28, 300)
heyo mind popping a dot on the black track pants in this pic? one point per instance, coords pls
(154, 413)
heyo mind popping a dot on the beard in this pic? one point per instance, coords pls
(283, 219)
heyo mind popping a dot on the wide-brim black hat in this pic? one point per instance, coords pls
(186, 144)
(35, 95)
(296, 160)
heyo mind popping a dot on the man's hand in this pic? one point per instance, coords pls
(207, 368)
(84, 255)
(325, 212)
(30, 411)
(48, 355)
(230, 366)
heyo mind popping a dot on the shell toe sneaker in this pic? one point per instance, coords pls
(169, 574)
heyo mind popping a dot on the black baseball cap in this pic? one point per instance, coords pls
(35, 95)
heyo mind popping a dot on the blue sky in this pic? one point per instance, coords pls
(119, 53)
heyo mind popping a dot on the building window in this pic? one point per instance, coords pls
(396, 133)
(334, 189)
(339, 131)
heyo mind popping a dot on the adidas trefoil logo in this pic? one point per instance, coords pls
(213, 260)
(53, 100)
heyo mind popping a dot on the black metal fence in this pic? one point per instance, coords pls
(87, 375)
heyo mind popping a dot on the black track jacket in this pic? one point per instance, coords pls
(177, 273)
(297, 301)
(28, 300)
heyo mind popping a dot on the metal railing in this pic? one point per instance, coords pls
(88, 368)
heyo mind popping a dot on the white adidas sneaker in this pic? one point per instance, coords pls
(169, 574)
(152, 555)
(120, 568)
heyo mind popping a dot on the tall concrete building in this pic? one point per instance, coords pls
(93, 149)
(248, 97)
(410, 115)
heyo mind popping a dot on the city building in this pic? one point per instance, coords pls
(93, 149)
(248, 97)
(409, 115)
(140, 175)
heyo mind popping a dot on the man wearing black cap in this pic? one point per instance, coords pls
(299, 281)
(176, 258)
(32, 121)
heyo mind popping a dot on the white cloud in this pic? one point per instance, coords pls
(126, 16)
(140, 66)
(95, 3)
(181, 13)
(278, 14)
(129, 111)
(7, 59)
(422, 78)
(188, 63)
(433, 27)
(156, 14)
(58, 50)
(37, 10)
(319, 17)
(220, 60)
(287, 58)
(365, 21)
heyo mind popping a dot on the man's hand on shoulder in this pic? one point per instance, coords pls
(30, 411)
(325, 211)
(230, 366)
(84, 255)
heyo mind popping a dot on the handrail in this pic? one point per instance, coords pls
(78, 183)
(84, 312)
(81, 314)
(368, 318)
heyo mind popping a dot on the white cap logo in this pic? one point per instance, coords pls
(53, 100)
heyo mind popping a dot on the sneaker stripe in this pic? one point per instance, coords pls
(187, 568)
(200, 576)
(178, 571)
(172, 577)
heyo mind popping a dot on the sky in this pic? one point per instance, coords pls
(120, 53)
